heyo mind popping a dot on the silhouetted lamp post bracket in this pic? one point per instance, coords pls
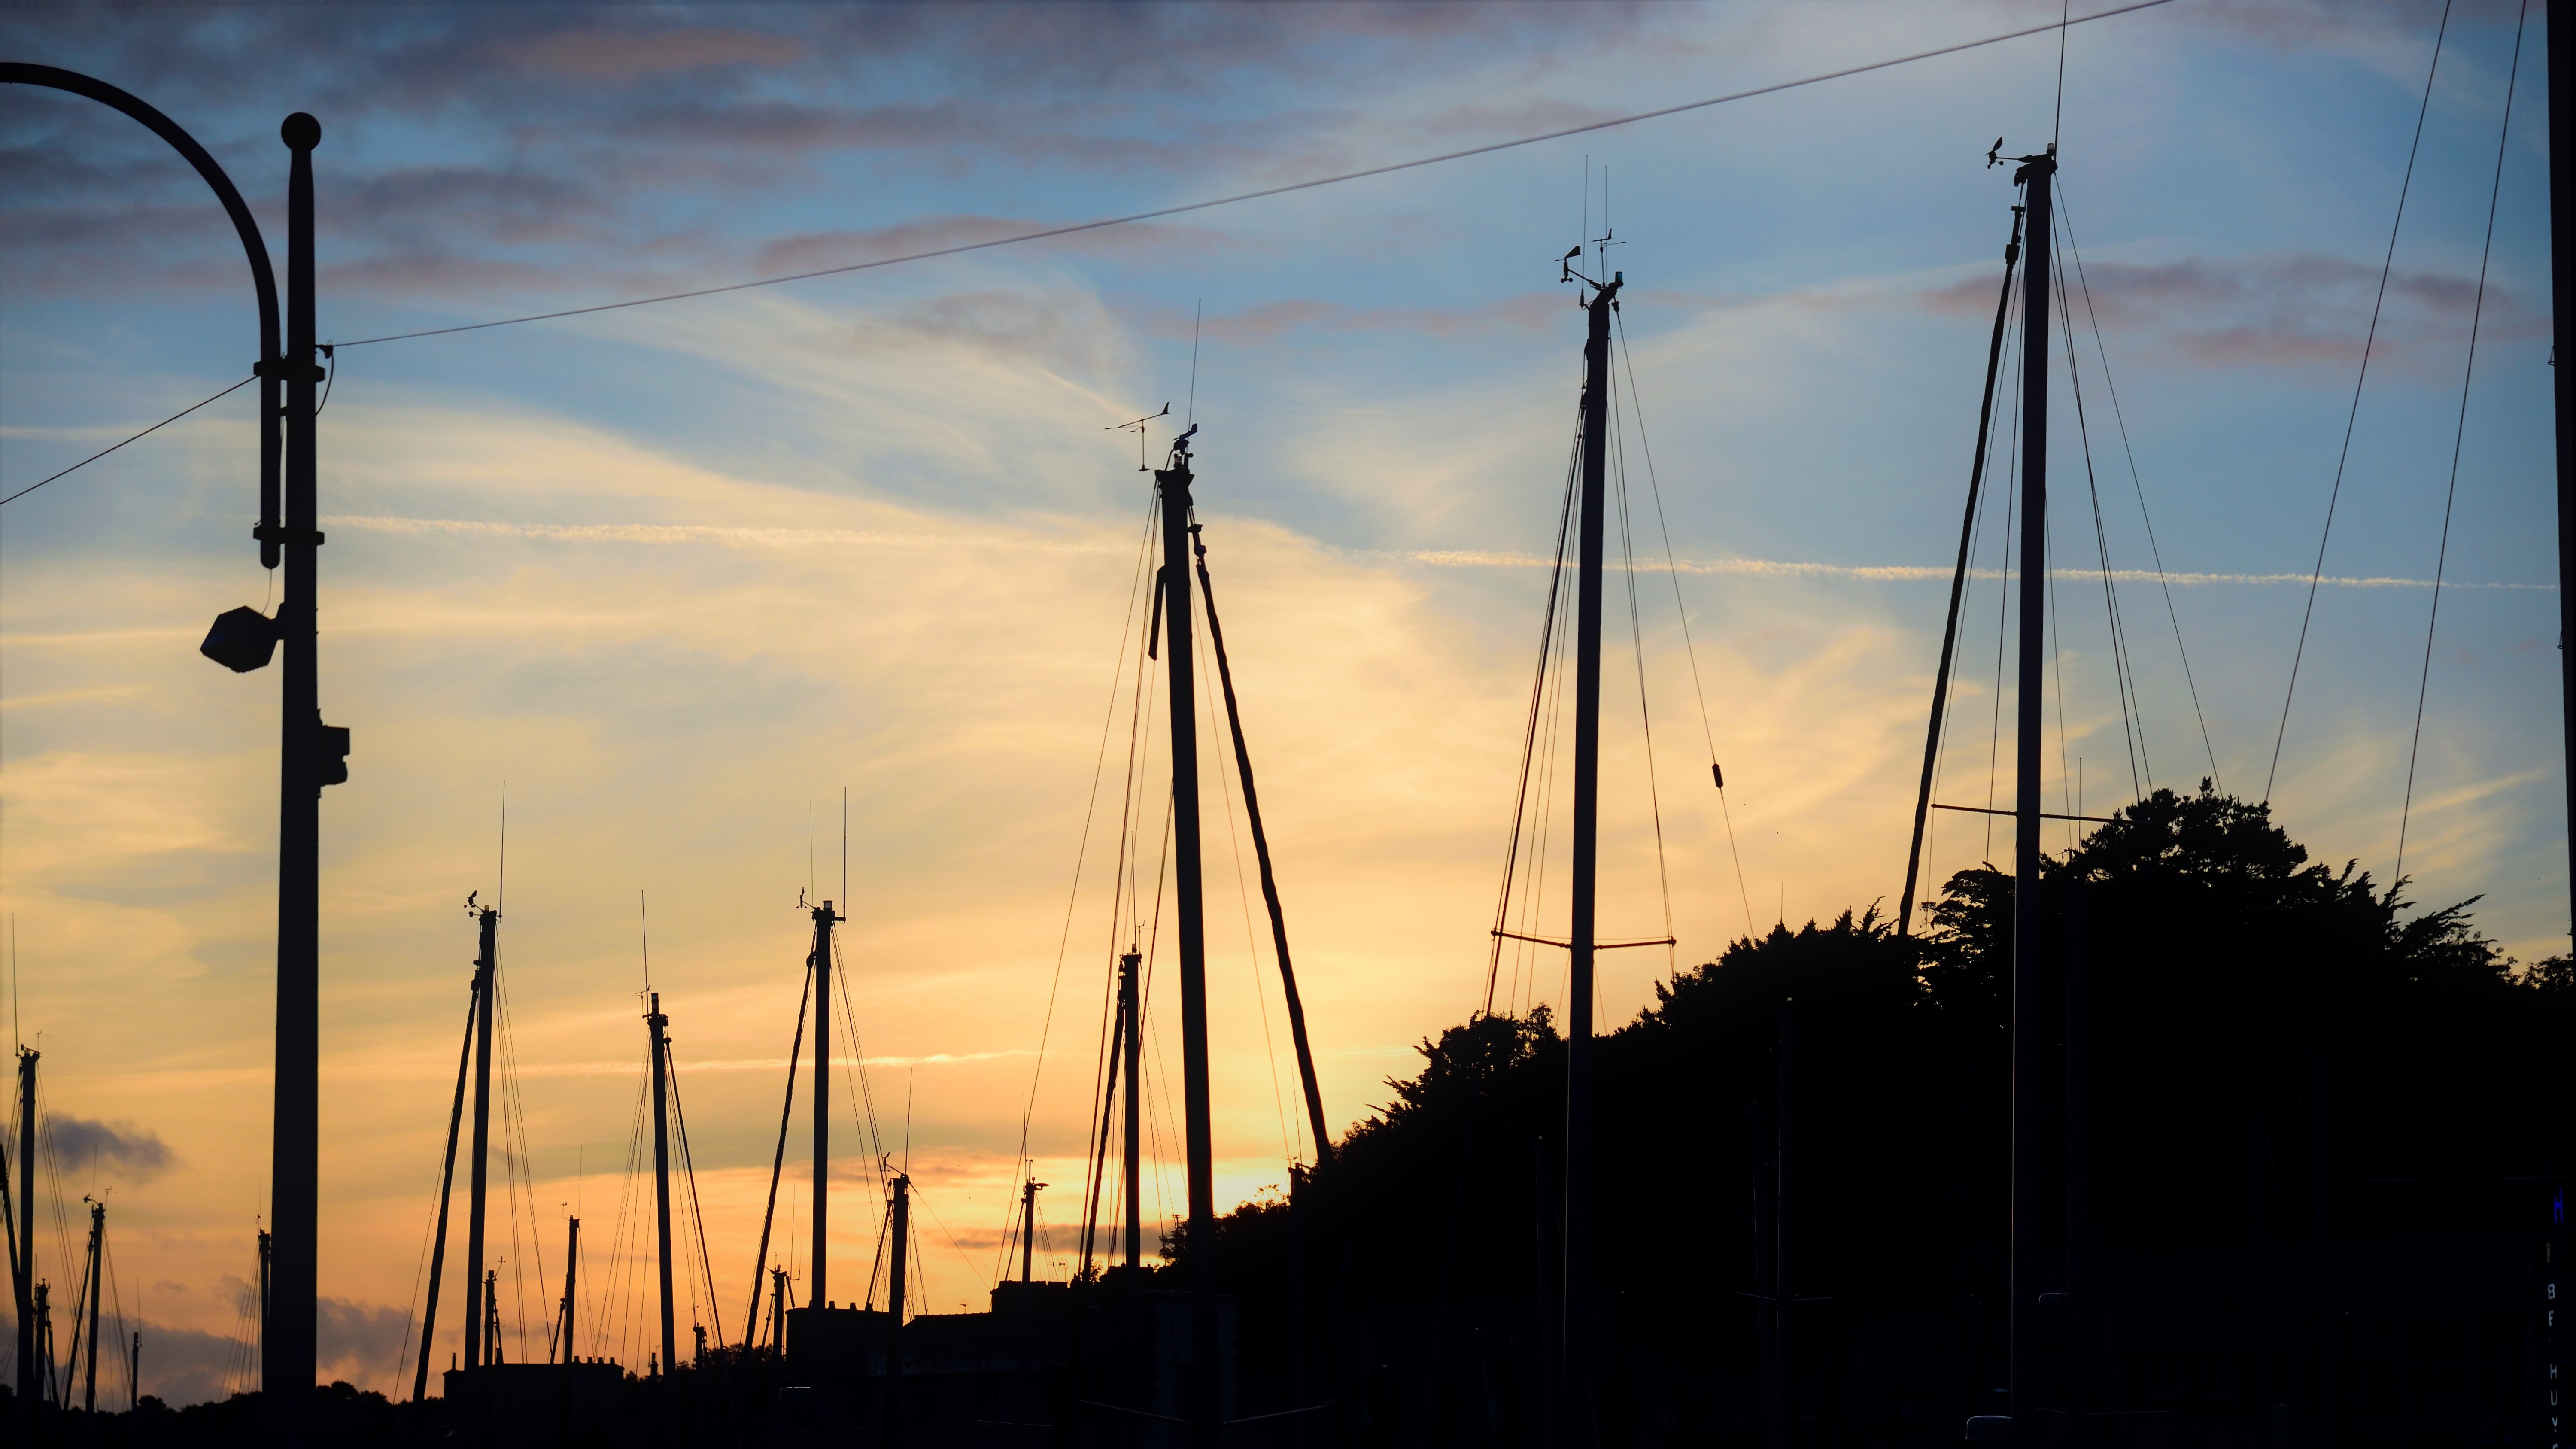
(310, 754)
(263, 278)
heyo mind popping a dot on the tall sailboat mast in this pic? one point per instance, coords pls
(26, 1246)
(1028, 1224)
(1591, 509)
(572, 1279)
(657, 1028)
(97, 1255)
(1133, 1109)
(818, 962)
(1172, 484)
(478, 1351)
(2037, 176)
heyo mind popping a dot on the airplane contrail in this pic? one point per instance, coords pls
(738, 537)
(1907, 573)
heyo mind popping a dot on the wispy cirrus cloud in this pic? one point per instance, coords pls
(1915, 573)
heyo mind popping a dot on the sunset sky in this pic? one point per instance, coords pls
(680, 574)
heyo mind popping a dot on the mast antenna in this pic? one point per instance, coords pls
(1198, 310)
(1138, 424)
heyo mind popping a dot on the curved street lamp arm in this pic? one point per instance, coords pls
(270, 431)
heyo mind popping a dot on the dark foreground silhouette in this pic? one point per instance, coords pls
(2318, 1134)
(2315, 1145)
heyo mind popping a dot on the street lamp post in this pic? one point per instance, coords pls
(311, 754)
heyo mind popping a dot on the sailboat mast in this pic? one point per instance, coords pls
(1134, 1104)
(778, 1310)
(266, 1300)
(899, 1235)
(2038, 173)
(26, 1243)
(1173, 484)
(89, 1369)
(572, 1270)
(1028, 1224)
(1591, 507)
(477, 1349)
(818, 964)
(446, 1192)
(655, 1025)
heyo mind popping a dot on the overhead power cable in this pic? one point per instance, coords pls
(112, 447)
(1071, 229)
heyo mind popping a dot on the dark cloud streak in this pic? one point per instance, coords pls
(476, 152)
(119, 1149)
(2299, 310)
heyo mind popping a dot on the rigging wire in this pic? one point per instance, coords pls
(2155, 553)
(2057, 671)
(2057, 117)
(1082, 850)
(2459, 438)
(1539, 680)
(2003, 603)
(617, 1323)
(1618, 471)
(517, 1157)
(1105, 1070)
(1946, 671)
(2124, 680)
(778, 1160)
(2353, 415)
(429, 1227)
(697, 1211)
(1076, 228)
(1690, 651)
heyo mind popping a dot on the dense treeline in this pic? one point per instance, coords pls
(2272, 1050)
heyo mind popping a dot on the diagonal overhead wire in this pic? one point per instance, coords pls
(2353, 415)
(112, 447)
(2459, 436)
(1075, 228)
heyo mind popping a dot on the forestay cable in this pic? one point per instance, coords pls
(1690, 651)
(2459, 436)
(2353, 415)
